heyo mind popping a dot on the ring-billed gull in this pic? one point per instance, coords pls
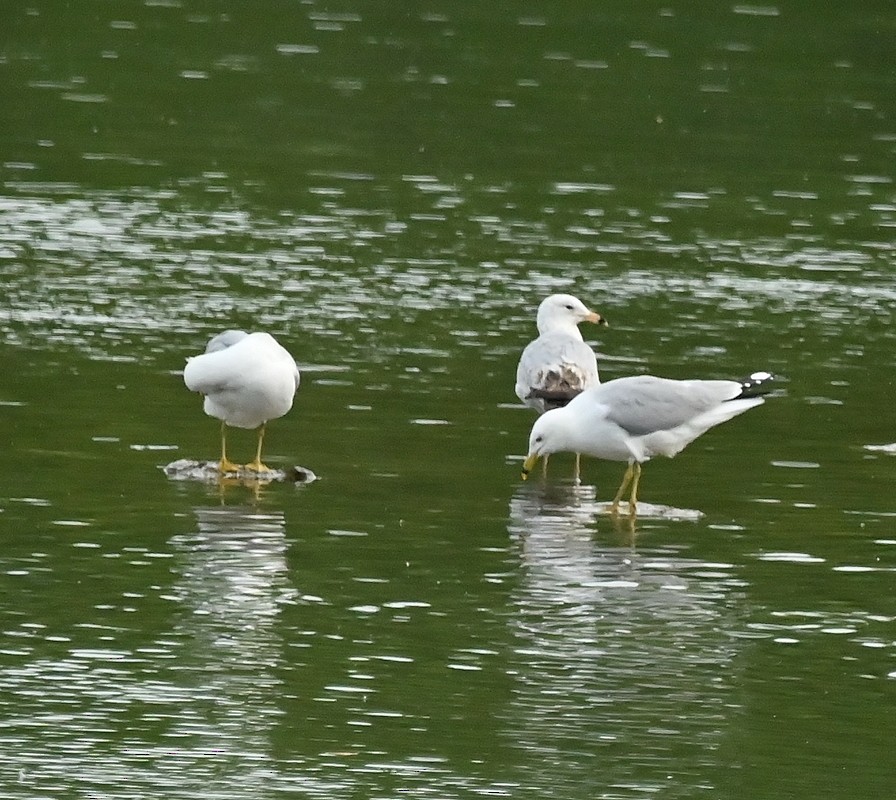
(558, 365)
(247, 379)
(633, 419)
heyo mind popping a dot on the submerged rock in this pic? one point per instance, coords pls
(655, 511)
(644, 511)
(186, 469)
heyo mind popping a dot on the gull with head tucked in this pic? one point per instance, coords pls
(633, 419)
(247, 379)
(558, 365)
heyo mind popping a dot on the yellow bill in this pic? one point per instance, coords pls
(530, 461)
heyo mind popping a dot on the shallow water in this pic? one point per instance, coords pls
(391, 195)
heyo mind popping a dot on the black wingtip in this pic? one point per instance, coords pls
(756, 385)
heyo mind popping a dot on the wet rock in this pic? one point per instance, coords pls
(186, 469)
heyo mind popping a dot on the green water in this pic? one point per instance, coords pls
(390, 189)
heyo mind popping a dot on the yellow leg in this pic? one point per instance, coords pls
(256, 465)
(626, 479)
(226, 464)
(633, 497)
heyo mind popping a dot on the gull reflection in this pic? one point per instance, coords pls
(226, 643)
(188, 708)
(231, 583)
(622, 656)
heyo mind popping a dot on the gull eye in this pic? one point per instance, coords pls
(569, 307)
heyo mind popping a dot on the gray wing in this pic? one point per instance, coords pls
(555, 368)
(645, 404)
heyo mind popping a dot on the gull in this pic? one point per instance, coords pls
(247, 379)
(558, 365)
(633, 419)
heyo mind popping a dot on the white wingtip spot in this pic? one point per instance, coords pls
(760, 376)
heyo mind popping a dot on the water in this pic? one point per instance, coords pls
(390, 193)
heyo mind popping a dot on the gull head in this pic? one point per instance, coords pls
(224, 340)
(548, 436)
(563, 311)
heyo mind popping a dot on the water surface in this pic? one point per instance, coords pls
(391, 193)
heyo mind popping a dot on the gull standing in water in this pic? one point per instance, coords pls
(247, 379)
(633, 419)
(558, 365)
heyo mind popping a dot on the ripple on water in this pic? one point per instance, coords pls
(118, 272)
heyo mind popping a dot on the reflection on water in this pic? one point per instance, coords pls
(624, 657)
(191, 710)
(232, 581)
